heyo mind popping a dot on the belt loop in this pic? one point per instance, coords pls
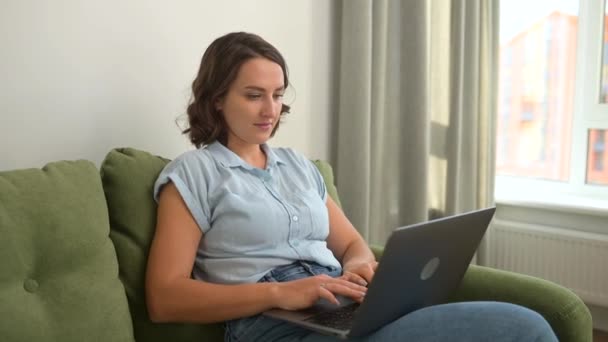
(308, 267)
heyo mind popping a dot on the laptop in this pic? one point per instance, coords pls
(422, 265)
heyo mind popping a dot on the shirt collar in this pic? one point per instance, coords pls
(228, 158)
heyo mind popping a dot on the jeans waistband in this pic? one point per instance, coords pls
(297, 270)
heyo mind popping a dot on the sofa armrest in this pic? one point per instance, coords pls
(565, 311)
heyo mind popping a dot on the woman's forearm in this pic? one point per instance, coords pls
(189, 300)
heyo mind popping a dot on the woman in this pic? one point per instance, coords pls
(254, 227)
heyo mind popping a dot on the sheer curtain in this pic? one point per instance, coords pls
(416, 119)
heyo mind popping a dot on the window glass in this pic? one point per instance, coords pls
(604, 76)
(536, 88)
(597, 158)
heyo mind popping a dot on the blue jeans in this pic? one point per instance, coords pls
(469, 321)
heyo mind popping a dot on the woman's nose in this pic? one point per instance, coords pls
(269, 106)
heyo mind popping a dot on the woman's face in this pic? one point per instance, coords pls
(252, 106)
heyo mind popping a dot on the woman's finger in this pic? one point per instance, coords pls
(327, 294)
(349, 284)
(344, 289)
(355, 278)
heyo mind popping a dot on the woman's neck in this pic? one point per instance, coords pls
(252, 154)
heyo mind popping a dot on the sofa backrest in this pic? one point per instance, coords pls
(58, 270)
(128, 177)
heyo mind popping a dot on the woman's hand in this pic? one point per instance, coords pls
(360, 273)
(303, 293)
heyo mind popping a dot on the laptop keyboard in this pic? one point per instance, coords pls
(340, 318)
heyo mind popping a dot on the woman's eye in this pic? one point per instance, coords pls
(278, 96)
(253, 96)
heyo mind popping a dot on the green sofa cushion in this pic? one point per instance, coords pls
(128, 177)
(59, 273)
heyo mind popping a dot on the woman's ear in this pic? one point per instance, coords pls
(219, 103)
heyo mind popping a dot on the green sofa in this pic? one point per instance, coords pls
(74, 242)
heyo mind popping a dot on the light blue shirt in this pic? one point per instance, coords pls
(253, 220)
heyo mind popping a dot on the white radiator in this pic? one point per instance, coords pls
(576, 260)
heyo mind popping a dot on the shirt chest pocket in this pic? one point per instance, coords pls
(309, 220)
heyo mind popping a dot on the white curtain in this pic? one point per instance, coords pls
(417, 103)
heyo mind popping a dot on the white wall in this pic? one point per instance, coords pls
(81, 77)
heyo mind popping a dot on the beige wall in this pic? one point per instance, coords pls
(81, 77)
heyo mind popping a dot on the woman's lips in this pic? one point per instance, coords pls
(264, 126)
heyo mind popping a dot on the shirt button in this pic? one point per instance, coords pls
(295, 218)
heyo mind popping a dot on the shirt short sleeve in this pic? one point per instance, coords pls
(188, 176)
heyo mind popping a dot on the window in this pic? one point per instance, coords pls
(604, 84)
(596, 158)
(552, 122)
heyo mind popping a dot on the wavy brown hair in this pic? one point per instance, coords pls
(219, 67)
